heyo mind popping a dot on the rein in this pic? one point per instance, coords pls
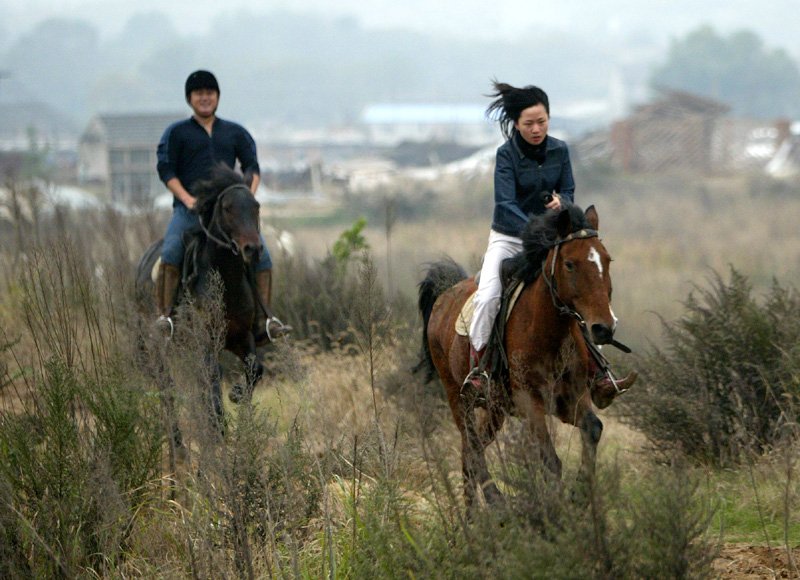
(227, 243)
(562, 308)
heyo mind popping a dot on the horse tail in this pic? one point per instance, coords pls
(441, 276)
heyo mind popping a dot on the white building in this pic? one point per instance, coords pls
(119, 151)
(389, 124)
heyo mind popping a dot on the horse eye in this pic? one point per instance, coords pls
(569, 266)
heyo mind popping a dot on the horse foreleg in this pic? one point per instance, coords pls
(253, 372)
(533, 412)
(591, 429)
(215, 409)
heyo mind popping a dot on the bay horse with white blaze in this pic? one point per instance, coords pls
(565, 269)
(226, 245)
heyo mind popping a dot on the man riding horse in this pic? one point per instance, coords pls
(187, 153)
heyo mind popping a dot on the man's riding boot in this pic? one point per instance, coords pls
(603, 389)
(267, 328)
(168, 281)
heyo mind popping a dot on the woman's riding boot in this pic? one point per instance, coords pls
(170, 279)
(266, 327)
(478, 379)
(603, 389)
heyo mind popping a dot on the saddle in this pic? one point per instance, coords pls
(189, 275)
(511, 291)
(496, 365)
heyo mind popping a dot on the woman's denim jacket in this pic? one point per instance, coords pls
(519, 183)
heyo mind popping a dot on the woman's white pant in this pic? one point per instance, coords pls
(490, 291)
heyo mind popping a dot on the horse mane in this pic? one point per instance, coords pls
(539, 236)
(208, 190)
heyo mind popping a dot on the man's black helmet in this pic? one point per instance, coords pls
(201, 79)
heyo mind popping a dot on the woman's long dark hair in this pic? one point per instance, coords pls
(539, 235)
(509, 102)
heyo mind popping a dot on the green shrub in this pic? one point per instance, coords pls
(325, 300)
(651, 529)
(75, 467)
(727, 379)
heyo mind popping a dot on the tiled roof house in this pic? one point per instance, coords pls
(120, 151)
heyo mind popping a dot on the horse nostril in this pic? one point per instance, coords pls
(252, 252)
(602, 334)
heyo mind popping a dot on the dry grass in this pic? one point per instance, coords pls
(375, 426)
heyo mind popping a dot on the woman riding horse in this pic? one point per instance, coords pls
(532, 174)
(567, 289)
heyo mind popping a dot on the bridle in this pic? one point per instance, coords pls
(551, 281)
(562, 308)
(226, 242)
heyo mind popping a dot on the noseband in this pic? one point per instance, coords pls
(226, 242)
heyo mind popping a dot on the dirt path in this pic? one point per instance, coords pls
(749, 562)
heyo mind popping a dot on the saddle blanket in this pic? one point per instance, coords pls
(465, 317)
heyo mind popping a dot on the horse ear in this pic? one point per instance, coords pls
(592, 217)
(564, 223)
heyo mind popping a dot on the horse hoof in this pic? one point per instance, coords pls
(237, 394)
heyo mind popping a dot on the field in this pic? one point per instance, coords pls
(345, 465)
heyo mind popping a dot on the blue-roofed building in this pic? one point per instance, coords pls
(388, 124)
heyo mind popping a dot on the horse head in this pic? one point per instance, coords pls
(577, 271)
(228, 213)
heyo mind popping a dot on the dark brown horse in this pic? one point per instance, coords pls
(227, 248)
(567, 284)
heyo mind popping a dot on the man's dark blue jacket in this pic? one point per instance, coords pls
(188, 152)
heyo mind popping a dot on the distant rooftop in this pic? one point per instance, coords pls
(424, 114)
(134, 128)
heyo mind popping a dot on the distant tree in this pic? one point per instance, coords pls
(57, 62)
(737, 70)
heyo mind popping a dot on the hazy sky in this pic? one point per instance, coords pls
(774, 20)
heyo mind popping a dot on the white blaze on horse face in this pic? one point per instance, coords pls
(594, 256)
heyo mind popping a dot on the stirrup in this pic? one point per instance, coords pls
(476, 375)
(281, 332)
(161, 326)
